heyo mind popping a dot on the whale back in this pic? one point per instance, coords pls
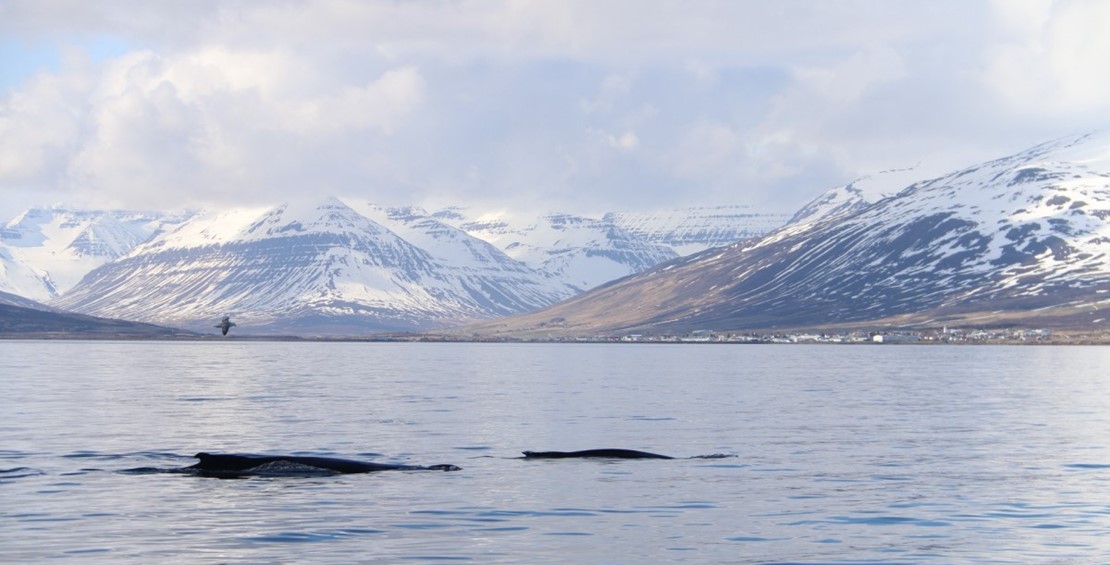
(595, 453)
(241, 463)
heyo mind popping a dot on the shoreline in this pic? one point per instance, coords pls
(1074, 337)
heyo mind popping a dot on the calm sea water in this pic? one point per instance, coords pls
(845, 454)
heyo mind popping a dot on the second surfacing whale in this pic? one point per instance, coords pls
(610, 453)
(607, 453)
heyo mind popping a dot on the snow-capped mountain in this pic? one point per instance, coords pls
(45, 251)
(689, 230)
(353, 269)
(578, 251)
(317, 268)
(1022, 240)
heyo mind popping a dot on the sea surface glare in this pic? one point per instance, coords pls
(844, 454)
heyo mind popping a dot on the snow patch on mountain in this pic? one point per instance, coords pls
(19, 278)
(45, 251)
(456, 250)
(445, 242)
(690, 230)
(576, 250)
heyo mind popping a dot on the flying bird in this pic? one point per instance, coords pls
(225, 324)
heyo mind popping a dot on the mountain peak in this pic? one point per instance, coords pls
(856, 195)
(329, 215)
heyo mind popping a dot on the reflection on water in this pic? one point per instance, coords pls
(845, 453)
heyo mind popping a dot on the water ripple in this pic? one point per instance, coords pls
(19, 473)
(312, 537)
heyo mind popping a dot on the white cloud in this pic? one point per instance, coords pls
(576, 103)
(1052, 57)
(847, 81)
(702, 71)
(38, 125)
(705, 149)
(187, 130)
(379, 105)
(612, 89)
(626, 142)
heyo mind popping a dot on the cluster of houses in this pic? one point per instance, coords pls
(943, 335)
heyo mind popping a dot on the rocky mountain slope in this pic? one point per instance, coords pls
(1021, 240)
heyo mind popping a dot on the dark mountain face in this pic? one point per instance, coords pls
(17, 321)
(9, 299)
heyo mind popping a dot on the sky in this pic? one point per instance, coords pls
(570, 106)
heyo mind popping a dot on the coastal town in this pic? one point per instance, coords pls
(943, 335)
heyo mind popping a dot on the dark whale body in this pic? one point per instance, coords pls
(598, 453)
(236, 465)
